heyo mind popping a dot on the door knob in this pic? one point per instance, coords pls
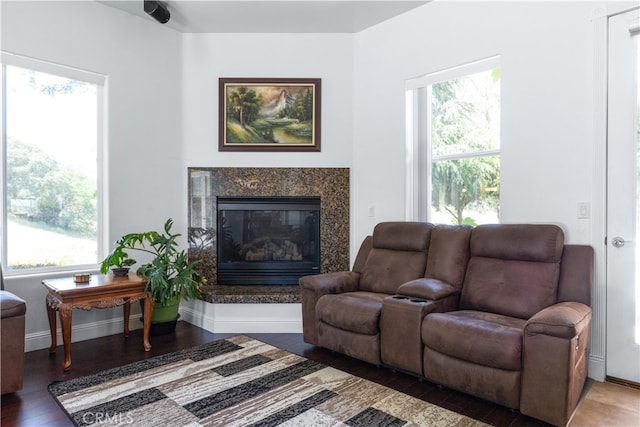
(619, 242)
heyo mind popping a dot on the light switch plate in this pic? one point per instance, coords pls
(583, 210)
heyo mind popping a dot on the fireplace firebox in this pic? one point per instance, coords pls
(267, 240)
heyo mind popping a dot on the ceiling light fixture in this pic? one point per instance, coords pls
(157, 10)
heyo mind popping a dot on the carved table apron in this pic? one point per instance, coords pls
(100, 292)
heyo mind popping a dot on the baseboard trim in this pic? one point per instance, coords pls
(597, 368)
(622, 382)
(86, 331)
(209, 317)
(218, 318)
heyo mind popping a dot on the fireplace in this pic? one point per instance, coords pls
(207, 185)
(267, 240)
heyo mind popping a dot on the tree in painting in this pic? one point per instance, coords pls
(245, 104)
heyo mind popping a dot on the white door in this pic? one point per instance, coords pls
(623, 288)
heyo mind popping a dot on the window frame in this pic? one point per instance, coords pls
(100, 81)
(419, 157)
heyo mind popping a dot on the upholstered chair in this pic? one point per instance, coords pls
(12, 327)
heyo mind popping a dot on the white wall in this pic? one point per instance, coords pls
(207, 57)
(142, 63)
(546, 136)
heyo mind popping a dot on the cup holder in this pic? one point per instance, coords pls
(409, 299)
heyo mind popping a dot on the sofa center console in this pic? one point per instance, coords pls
(400, 324)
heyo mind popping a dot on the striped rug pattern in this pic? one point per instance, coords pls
(240, 381)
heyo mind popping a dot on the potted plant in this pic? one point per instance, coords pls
(169, 275)
(118, 260)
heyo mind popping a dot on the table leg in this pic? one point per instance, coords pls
(65, 321)
(51, 314)
(148, 312)
(126, 308)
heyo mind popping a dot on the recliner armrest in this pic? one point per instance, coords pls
(428, 289)
(562, 320)
(554, 361)
(11, 305)
(314, 287)
(331, 283)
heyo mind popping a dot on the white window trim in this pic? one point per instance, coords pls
(452, 73)
(51, 68)
(418, 135)
(12, 59)
(467, 155)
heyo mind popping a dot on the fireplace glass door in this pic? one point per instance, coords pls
(267, 240)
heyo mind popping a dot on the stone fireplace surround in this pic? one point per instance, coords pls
(207, 184)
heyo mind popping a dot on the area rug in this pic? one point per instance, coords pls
(240, 381)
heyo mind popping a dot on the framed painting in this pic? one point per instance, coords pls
(269, 114)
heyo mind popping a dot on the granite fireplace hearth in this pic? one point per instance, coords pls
(209, 187)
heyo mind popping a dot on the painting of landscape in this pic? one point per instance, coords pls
(269, 114)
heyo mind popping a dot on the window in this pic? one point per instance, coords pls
(453, 142)
(51, 145)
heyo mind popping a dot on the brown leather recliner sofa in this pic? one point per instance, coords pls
(498, 311)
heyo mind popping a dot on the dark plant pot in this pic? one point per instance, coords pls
(163, 328)
(120, 272)
(164, 318)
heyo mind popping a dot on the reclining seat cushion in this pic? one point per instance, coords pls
(357, 312)
(487, 339)
(513, 270)
(398, 255)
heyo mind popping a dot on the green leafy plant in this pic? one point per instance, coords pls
(118, 258)
(169, 275)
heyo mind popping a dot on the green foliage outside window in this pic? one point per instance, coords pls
(39, 190)
(465, 122)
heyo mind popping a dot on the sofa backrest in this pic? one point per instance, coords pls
(448, 253)
(513, 269)
(576, 274)
(363, 254)
(398, 254)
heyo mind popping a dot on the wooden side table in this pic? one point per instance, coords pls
(100, 292)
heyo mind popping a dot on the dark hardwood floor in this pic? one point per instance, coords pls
(33, 406)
